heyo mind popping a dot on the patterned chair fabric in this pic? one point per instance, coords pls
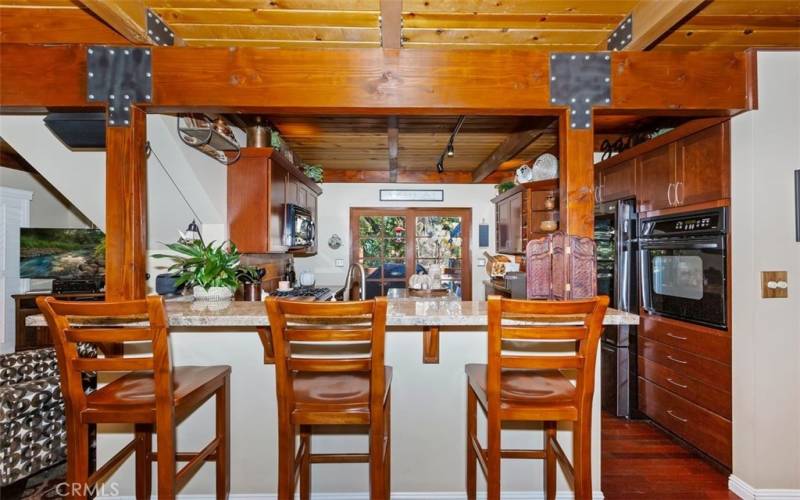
(32, 432)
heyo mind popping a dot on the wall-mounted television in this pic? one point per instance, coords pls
(52, 253)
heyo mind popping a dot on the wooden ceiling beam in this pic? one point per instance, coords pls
(652, 20)
(508, 149)
(393, 137)
(391, 24)
(380, 82)
(127, 17)
(54, 25)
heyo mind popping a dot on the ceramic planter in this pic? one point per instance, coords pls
(213, 294)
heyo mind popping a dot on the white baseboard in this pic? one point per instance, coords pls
(747, 492)
(445, 495)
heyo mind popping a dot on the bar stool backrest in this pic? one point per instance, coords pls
(575, 324)
(327, 337)
(65, 318)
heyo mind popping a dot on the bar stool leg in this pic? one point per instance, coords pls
(549, 460)
(77, 460)
(144, 464)
(472, 429)
(581, 458)
(223, 433)
(167, 459)
(286, 454)
(305, 465)
(387, 466)
(493, 456)
(377, 480)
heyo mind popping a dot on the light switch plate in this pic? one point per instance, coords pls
(774, 284)
(481, 262)
(339, 262)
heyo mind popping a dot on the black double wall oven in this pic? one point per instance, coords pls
(684, 268)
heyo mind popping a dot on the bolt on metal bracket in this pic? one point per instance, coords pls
(580, 80)
(158, 31)
(120, 77)
(622, 35)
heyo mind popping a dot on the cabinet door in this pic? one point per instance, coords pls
(302, 195)
(502, 219)
(703, 167)
(657, 179)
(515, 223)
(618, 181)
(311, 205)
(279, 181)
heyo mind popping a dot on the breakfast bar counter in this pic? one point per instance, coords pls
(428, 404)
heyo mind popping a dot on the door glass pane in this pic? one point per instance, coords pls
(382, 250)
(369, 225)
(394, 249)
(439, 243)
(370, 248)
(678, 276)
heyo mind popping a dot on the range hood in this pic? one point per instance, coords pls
(78, 130)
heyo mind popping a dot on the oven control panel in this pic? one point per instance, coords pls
(713, 221)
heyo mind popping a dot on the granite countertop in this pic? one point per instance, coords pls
(445, 311)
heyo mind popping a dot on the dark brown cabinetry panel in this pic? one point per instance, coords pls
(656, 174)
(703, 341)
(702, 168)
(617, 182)
(709, 372)
(699, 393)
(708, 431)
(519, 213)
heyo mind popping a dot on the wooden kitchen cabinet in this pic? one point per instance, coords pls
(687, 166)
(260, 185)
(656, 174)
(617, 182)
(519, 213)
(702, 170)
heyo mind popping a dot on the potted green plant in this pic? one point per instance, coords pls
(211, 270)
(250, 278)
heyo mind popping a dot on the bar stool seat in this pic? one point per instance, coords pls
(135, 394)
(543, 387)
(335, 393)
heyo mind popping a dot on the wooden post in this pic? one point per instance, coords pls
(126, 209)
(576, 178)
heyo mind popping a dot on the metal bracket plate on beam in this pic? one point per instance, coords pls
(119, 76)
(580, 80)
(622, 35)
(158, 31)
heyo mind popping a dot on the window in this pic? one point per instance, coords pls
(393, 243)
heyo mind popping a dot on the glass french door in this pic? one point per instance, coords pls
(394, 243)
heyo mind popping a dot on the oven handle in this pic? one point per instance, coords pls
(681, 244)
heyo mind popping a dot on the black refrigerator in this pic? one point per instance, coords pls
(615, 226)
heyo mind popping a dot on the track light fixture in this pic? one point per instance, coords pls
(449, 150)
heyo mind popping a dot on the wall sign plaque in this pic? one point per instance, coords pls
(411, 195)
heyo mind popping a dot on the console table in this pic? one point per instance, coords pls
(32, 337)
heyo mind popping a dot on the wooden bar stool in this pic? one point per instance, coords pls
(520, 386)
(151, 394)
(330, 371)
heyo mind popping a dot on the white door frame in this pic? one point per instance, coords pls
(15, 213)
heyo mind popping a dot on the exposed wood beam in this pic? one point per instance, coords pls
(509, 148)
(391, 24)
(126, 209)
(380, 82)
(54, 25)
(576, 178)
(127, 17)
(652, 20)
(412, 176)
(393, 137)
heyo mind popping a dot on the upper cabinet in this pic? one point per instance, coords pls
(693, 167)
(519, 213)
(260, 185)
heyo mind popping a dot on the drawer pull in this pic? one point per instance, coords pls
(670, 334)
(677, 384)
(684, 420)
(669, 356)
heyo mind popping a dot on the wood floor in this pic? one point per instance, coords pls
(642, 462)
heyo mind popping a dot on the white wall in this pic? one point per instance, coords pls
(47, 210)
(766, 332)
(334, 218)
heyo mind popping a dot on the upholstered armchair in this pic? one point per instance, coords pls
(32, 432)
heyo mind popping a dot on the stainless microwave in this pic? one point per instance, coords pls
(299, 230)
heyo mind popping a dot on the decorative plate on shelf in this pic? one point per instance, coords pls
(524, 174)
(545, 167)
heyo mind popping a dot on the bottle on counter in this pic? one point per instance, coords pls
(290, 276)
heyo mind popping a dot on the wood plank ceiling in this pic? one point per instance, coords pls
(570, 25)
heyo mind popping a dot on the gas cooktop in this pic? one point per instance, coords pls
(305, 292)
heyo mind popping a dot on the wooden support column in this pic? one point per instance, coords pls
(126, 209)
(576, 178)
